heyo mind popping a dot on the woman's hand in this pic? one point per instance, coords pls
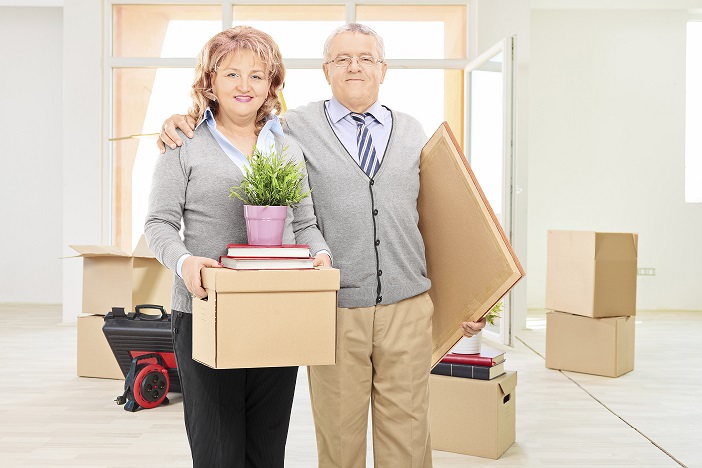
(322, 259)
(472, 328)
(169, 136)
(191, 273)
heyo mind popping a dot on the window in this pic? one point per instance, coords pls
(154, 49)
(693, 114)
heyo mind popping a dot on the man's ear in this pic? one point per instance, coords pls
(384, 68)
(326, 72)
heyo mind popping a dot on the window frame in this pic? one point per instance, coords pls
(227, 6)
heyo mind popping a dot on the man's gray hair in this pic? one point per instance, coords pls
(354, 28)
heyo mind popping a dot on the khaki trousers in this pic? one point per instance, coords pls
(383, 358)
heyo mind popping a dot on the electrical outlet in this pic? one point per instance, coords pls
(646, 271)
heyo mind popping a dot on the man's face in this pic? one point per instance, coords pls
(355, 86)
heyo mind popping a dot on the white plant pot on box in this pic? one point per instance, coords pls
(468, 345)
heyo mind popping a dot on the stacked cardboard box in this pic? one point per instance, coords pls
(114, 278)
(591, 297)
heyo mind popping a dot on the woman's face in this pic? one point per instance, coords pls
(241, 85)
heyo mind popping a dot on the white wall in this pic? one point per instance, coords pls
(606, 149)
(31, 154)
(84, 164)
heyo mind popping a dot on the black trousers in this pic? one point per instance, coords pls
(234, 417)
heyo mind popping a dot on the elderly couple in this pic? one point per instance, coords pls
(363, 212)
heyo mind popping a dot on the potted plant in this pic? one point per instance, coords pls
(472, 345)
(271, 184)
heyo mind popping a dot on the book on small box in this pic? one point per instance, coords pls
(467, 371)
(266, 263)
(487, 357)
(282, 251)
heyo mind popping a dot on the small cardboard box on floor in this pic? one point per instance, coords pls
(114, 278)
(266, 318)
(473, 417)
(591, 273)
(600, 346)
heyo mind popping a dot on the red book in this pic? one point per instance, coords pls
(266, 263)
(487, 357)
(286, 250)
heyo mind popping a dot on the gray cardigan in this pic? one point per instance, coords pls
(345, 201)
(192, 183)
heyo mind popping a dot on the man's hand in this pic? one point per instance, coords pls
(191, 273)
(472, 328)
(169, 136)
(322, 259)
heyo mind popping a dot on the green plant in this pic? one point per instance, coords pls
(271, 180)
(494, 313)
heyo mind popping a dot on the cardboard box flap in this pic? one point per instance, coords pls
(470, 262)
(142, 250)
(99, 251)
(508, 384)
(227, 280)
(617, 246)
(591, 245)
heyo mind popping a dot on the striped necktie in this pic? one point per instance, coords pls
(367, 158)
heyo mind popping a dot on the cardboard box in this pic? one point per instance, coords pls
(601, 346)
(114, 278)
(591, 273)
(266, 318)
(473, 417)
(95, 358)
(470, 262)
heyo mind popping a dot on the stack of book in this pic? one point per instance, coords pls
(486, 365)
(265, 257)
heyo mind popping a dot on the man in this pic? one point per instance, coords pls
(363, 165)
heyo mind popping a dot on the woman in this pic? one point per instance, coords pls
(236, 417)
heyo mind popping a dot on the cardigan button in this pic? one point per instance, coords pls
(380, 272)
(375, 212)
(377, 242)
(372, 182)
(379, 299)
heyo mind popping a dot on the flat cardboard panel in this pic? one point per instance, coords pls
(591, 273)
(473, 417)
(469, 259)
(99, 250)
(600, 346)
(272, 324)
(95, 358)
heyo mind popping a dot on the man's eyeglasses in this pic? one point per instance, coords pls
(366, 61)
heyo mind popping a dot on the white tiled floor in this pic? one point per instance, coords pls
(649, 417)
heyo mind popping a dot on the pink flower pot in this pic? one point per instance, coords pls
(265, 224)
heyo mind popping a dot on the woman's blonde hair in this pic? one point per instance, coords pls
(220, 46)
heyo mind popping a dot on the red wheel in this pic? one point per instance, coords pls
(151, 386)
